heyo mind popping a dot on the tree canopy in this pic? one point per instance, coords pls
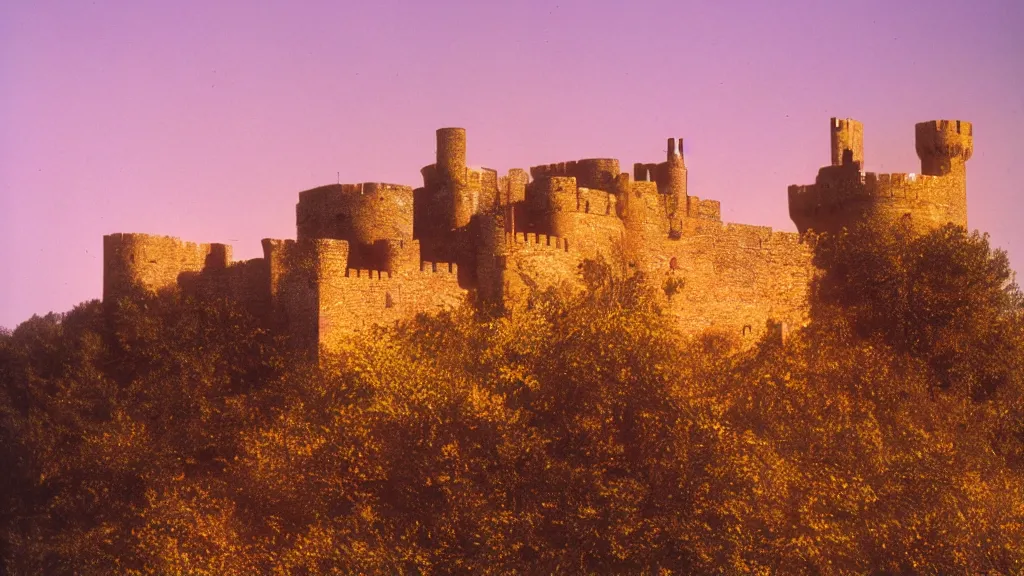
(582, 434)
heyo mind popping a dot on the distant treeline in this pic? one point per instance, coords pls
(580, 435)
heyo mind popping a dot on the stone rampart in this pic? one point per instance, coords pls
(837, 201)
(377, 253)
(359, 213)
(732, 277)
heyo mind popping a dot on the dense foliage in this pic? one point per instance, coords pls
(582, 435)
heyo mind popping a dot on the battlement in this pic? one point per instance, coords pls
(359, 189)
(538, 240)
(154, 262)
(170, 243)
(948, 126)
(832, 204)
(706, 209)
(439, 268)
(844, 195)
(869, 185)
(356, 263)
(597, 173)
(365, 273)
(943, 145)
(359, 213)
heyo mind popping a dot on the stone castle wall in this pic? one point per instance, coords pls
(375, 254)
(844, 194)
(733, 277)
(840, 199)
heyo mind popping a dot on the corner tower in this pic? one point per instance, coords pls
(944, 146)
(844, 195)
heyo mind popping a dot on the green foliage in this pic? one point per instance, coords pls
(946, 298)
(579, 434)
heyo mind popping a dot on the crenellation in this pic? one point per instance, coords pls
(377, 253)
(537, 240)
(366, 273)
(439, 267)
(844, 195)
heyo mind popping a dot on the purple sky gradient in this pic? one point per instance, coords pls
(204, 120)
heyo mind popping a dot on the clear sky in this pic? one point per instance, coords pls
(204, 119)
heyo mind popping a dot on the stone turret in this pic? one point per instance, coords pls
(452, 176)
(675, 177)
(944, 146)
(843, 195)
(377, 254)
(847, 139)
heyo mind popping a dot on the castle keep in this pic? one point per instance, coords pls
(376, 253)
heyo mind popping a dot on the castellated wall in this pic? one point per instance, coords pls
(358, 213)
(373, 253)
(149, 262)
(349, 300)
(734, 278)
(588, 218)
(536, 262)
(154, 263)
(321, 301)
(842, 197)
(599, 173)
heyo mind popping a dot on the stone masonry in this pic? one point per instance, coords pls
(375, 253)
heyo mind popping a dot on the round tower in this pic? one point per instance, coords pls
(675, 175)
(944, 146)
(847, 137)
(451, 174)
(492, 252)
(561, 203)
(595, 173)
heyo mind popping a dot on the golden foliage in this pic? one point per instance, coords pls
(579, 435)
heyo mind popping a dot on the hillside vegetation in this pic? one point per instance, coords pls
(582, 435)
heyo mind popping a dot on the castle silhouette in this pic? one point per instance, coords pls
(376, 253)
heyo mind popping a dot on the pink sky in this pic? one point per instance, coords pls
(204, 120)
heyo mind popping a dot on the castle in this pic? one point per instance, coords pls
(376, 253)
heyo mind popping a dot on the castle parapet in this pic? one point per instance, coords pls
(359, 213)
(832, 204)
(367, 273)
(439, 268)
(705, 209)
(512, 187)
(844, 196)
(154, 262)
(597, 173)
(533, 239)
(944, 146)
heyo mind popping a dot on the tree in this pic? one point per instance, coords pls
(945, 297)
